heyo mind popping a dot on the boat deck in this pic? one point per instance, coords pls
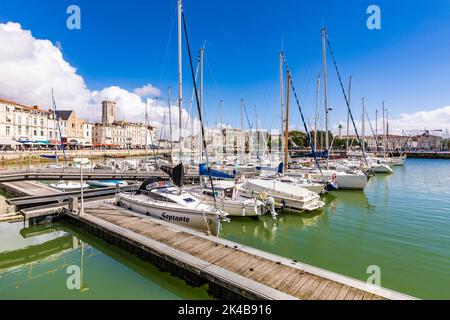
(248, 272)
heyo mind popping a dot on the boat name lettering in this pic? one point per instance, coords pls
(173, 218)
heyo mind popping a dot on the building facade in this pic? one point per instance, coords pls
(24, 125)
(121, 134)
(75, 131)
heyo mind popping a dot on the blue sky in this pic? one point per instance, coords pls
(130, 43)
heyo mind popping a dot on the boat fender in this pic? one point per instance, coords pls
(270, 202)
(334, 177)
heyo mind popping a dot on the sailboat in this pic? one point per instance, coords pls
(228, 198)
(169, 202)
(55, 165)
(67, 186)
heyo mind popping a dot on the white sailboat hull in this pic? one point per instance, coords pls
(381, 168)
(293, 198)
(195, 219)
(346, 181)
(247, 208)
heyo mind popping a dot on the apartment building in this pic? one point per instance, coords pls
(121, 134)
(24, 125)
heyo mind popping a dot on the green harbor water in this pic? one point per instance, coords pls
(36, 263)
(401, 223)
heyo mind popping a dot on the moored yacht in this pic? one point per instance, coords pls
(235, 205)
(295, 199)
(169, 202)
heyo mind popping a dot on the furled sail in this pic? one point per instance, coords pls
(203, 171)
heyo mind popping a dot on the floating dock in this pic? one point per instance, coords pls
(232, 270)
(28, 188)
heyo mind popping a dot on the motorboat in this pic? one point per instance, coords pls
(226, 197)
(381, 168)
(295, 199)
(106, 183)
(67, 186)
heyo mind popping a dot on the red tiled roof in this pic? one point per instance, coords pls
(13, 103)
(36, 108)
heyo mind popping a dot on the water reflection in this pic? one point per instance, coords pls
(48, 255)
(267, 229)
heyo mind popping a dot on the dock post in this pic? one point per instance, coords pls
(73, 205)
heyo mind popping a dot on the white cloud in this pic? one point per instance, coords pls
(434, 119)
(437, 119)
(147, 91)
(31, 67)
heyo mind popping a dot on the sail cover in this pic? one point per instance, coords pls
(176, 174)
(148, 182)
(203, 171)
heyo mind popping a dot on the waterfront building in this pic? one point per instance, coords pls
(121, 134)
(74, 130)
(24, 125)
(21, 124)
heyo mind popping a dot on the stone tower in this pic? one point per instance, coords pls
(108, 112)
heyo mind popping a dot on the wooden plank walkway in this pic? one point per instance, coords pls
(242, 269)
(29, 188)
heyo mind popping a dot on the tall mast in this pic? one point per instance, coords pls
(384, 131)
(56, 132)
(180, 74)
(325, 87)
(317, 112)
(363, 126)
(286, 133)
(376, 129)
(281, 104)
(192, 140)
(170, 125)
(242, 132)
(146, 128)
(221, 131)
(256, 140)
(348, 112)
(201, 101)
(387, 130)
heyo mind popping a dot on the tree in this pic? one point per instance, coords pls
(297, 139)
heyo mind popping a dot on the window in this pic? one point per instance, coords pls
(8, 130)
(51, 134)
(42, 133)
(19, 120)
(73, 125)
(35, 121)
(34, 133)
(42, 122)
(20, 130)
